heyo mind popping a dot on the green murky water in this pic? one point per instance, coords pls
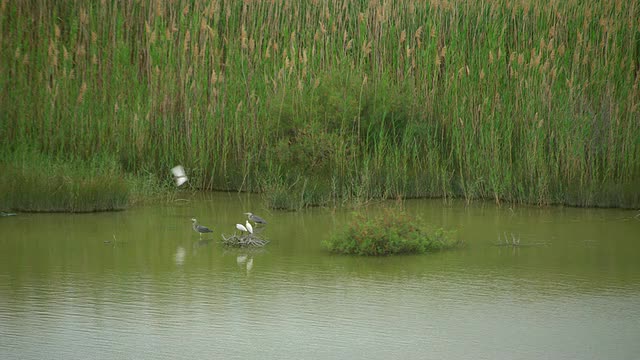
(571, 290)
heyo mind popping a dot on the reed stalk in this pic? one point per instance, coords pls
(314, 103)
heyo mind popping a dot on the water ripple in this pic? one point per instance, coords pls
(165, 295)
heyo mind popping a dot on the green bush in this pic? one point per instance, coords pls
(394, 232)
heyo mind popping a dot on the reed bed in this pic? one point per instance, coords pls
(33, 182)
(326, 102)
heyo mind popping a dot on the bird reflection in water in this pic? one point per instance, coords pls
(180, 255)
(245, 261)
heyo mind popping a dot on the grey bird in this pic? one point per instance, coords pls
(256, 219)
(199, 228)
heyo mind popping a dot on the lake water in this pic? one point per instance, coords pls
(571, 290)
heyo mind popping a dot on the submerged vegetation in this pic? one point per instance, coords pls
(394, 232)
(317, 103)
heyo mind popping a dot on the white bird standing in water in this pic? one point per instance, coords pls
(249, 227)
(241, 227)
(179, 175)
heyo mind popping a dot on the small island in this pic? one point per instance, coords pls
(393, 232)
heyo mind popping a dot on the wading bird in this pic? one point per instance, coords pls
(255, 218)
(241, 227)
(246, 228)
(199, 228)
(179, 175)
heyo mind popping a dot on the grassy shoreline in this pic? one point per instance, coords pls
(336, 102)
(34, 182)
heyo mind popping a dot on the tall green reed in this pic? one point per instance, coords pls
(326, 102)
(31, 181)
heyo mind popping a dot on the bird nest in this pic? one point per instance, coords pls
(244, 240)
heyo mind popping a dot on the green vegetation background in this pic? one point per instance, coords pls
(322, 102)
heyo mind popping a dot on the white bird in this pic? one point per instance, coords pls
(179, 175)
(241, 227)
(249, 227)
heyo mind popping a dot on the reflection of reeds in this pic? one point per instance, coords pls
(513, 240)
(508, 241)
(505, 100)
